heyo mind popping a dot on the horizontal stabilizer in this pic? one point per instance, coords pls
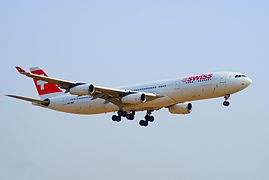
(35, 101)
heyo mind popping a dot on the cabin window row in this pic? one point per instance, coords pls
(239, 76)
(148, 88)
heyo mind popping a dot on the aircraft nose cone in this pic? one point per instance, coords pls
(247, 82)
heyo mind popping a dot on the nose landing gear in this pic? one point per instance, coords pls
(226, 102)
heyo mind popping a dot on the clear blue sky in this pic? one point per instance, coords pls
(114, 43)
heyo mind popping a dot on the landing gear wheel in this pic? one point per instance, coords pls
(226, 103)
(143, 123)
(149, 118)
(122, 113)
(116, 118)
(130, 116)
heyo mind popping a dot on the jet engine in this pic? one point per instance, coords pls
(134, 98)
(46, 102)
(181, 108)
(82, 90)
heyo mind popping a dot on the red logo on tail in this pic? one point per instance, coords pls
(44, 87)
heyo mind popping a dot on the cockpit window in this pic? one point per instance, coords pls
(240, 75)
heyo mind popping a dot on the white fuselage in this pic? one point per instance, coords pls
(205, 86)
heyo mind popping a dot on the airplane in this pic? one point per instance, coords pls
(174, 94)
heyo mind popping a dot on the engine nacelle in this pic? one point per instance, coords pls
(181, 108)
(82, 90)
(136, 98)
(46, 102)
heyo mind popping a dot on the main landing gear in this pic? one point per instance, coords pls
(226, 102)
(131, 115)
(148, 118)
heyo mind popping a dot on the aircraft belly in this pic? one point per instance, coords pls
(82, 106)
(100, 106)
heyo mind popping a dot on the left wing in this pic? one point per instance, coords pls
(108, 94)
(114, 95)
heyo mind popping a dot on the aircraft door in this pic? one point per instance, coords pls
(178, 85)
(223, 79)
(222, 83)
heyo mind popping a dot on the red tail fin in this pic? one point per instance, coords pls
(45, 89)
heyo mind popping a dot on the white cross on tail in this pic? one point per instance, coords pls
(41, 84)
